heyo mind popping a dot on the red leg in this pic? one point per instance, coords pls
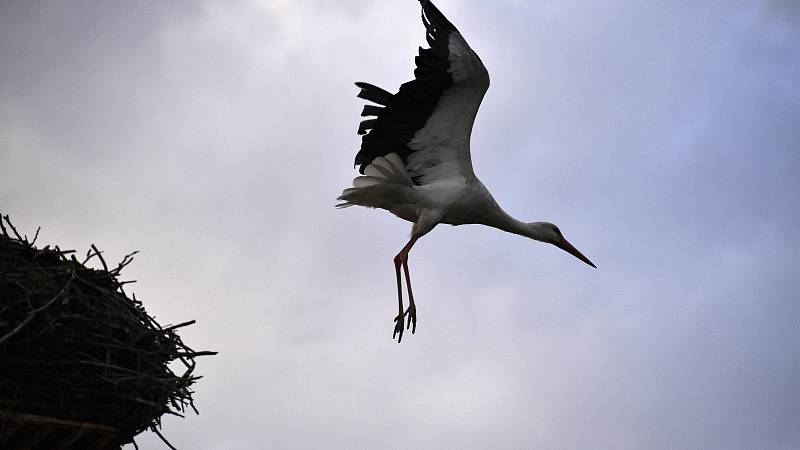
(412, 308)
(398, 327)
(402, 260)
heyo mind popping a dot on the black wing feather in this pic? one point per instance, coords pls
(373, 93)
(371, 110)
(407, 111)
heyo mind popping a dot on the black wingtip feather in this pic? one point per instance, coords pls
(373, 93)
(371, 110)
(366, 125)
(436, 17)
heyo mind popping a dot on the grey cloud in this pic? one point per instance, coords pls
(661, 138)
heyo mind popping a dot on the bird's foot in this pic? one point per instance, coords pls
(411, 312)
(400, 323)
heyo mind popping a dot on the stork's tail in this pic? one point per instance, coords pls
(383, 179)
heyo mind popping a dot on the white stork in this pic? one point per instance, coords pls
(415, 155)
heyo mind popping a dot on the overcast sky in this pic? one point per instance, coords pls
(663, 138)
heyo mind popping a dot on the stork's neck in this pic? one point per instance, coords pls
(500, 219)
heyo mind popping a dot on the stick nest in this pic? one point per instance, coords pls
(73, 345)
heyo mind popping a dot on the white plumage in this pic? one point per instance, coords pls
(415, 155)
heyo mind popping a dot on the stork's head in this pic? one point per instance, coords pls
(547, 232)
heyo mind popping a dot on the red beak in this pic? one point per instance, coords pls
(569, 248)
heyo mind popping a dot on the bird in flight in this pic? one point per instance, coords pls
(415, 154)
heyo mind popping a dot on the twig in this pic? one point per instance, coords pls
(36, 236)
(34, 419)
(180, 325)
(193, 354)
(100, 255)
(163, 439)
(127, 259)
(8, 221)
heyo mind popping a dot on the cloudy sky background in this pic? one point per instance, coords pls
(662, 137)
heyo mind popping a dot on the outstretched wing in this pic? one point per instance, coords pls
(428, 122)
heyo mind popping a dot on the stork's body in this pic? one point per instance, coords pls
(415, 155)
